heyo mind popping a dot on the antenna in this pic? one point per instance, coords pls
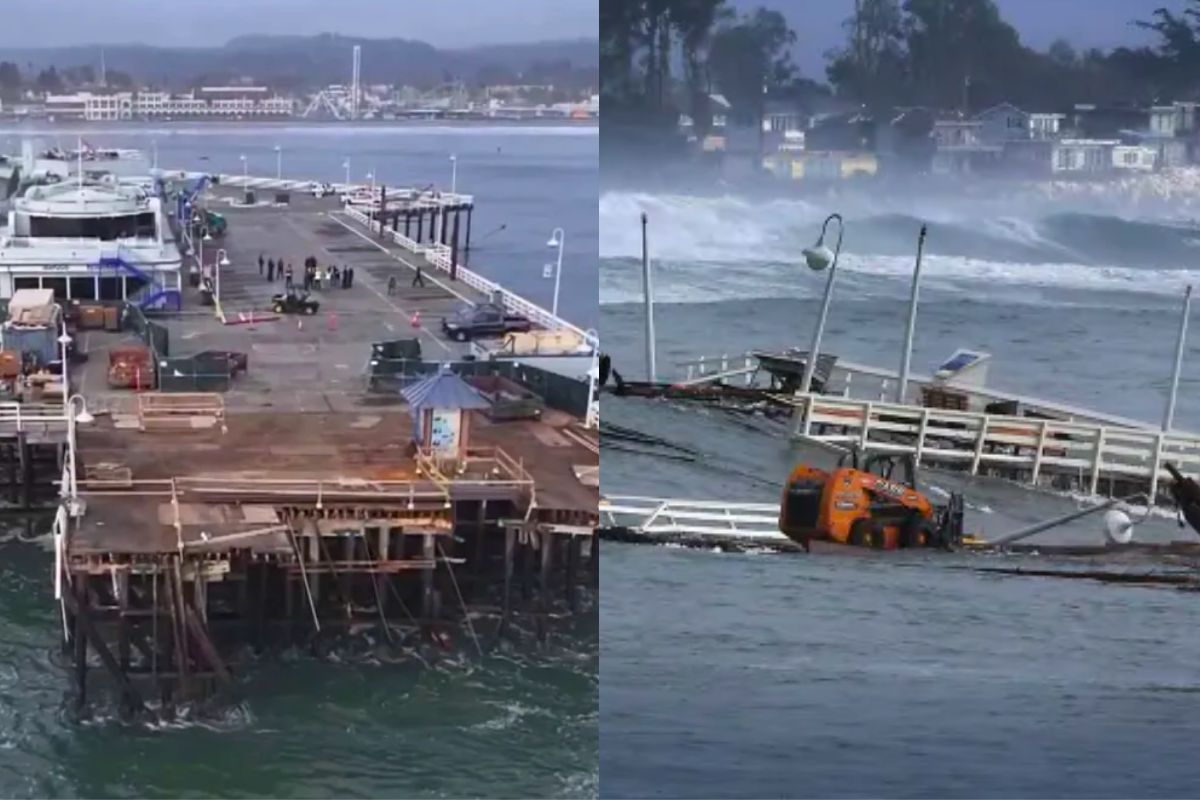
(79, 155)
(354, 83)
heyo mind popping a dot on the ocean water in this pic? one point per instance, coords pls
(519, 722)
(908, 675)
(526, 179)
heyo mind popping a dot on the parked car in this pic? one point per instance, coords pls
(485, 319)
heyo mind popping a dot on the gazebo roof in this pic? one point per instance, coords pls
(443, 390)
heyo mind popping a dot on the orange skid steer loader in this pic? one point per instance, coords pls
(872, 506)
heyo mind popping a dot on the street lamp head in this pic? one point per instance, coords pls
(207, 236)
(453, 157)
(277, 148)
(554, 241)
(224, 262)
(64, 340)
(84, 417)
(818, 257)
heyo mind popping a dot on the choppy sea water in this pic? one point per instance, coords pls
(912, 675)
(520, 722)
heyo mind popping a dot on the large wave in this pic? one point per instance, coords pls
(715, 248)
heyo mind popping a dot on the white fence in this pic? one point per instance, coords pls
(439, 256)
(23, 418)
(291, 185)
(863, 382)
(1090, 454)
(653, 516)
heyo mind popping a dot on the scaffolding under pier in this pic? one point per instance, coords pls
(200, 532)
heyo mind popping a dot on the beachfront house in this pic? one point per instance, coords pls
(1007, 123)
(1062, 158)
(1134, 158)
(961, 150)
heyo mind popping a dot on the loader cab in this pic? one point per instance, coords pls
(896, 467)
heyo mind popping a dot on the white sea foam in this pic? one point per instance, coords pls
(707, 249)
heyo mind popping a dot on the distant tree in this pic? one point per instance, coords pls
(48, 80)
(749, 58)
(10, 80)
(871, 66)
(1061, 52)
(119, 80)
(958, 51)
(79, 76)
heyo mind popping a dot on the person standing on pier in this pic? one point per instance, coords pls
(419, 278)
(391, 285)
(260, 264)
(287, 277)
(349, 277)
(270, 270)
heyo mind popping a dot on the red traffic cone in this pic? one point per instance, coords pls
(416, 319)
(331, 321)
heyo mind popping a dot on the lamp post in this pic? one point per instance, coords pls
(558, 239)
(222, 261)
(245, 171)
(818, 258)
(1169, 415)
(70, 489)
(371, 178)
(207, 237)
(154, 148)
(278, 163)
(346, 166)
(453, 174)
(910, 329)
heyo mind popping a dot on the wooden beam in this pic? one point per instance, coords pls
(84, 625)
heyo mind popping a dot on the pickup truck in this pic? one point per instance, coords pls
(485, 319)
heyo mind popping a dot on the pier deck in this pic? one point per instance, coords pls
(295, 503)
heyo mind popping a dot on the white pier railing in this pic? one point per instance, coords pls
(864, 382)
(1090, 456)
(440, 256)
(293, 185)
(652, 516)
(28, 418)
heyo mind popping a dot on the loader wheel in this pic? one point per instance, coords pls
(460, 336)
(309, 310)
(867, 533)
(910, 532)
(278, 309)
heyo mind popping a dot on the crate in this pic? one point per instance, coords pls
(91, 317)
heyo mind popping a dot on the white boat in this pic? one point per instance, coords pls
(90, 238)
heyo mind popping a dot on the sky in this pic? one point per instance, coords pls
(1084, 23)
(442, 23)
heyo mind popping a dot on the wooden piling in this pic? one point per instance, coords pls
(572, 590)
(510, 544)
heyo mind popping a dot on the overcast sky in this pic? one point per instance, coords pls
(443, 23)
(1085, 23)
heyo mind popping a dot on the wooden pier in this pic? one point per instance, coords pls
(296, 506)
(1032, 441)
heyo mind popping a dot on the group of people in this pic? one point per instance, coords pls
(315, 276)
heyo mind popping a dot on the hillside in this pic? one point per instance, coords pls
(309, 61)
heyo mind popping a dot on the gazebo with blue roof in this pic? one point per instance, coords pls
(439, 404)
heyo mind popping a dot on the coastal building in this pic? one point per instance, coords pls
(960, 148)
(1007, 123)
(1134, 158)
(90, 106)
(1063, 158)
(813, 166)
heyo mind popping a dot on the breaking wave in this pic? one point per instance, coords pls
(708, 249)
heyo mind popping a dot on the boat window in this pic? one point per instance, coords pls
(104, 228)
(83, 288)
